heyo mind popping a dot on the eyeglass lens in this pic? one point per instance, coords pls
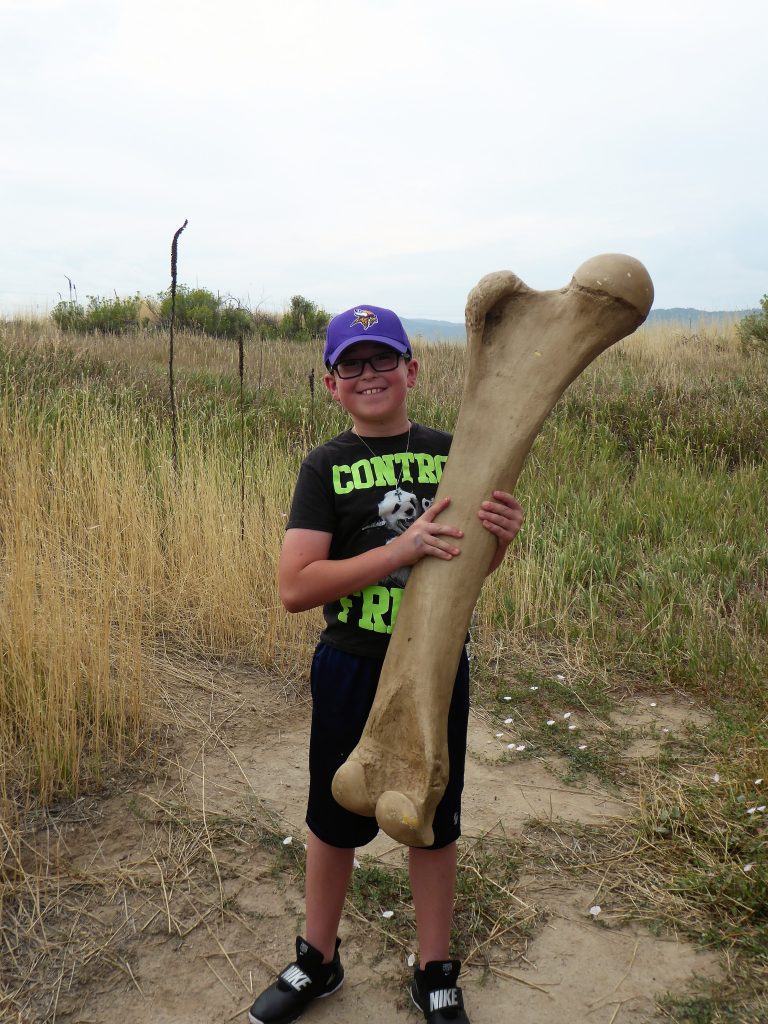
(380, 363)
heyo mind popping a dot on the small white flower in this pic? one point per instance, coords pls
(506, 698)
(582, 746)
(288, 840)
(761, 807)
(567, 714)
(499, 735)
(751, 810)
(571, 728)
(387, 913)
(716, 777)
(550, 721)
(665, 730)
(508, 721)
(561, 678)
(758, 781)
(533, 688)
(653, 703)
(594, 911)
(520, 746)
(411, 959)
(748, 867)
(510, 746)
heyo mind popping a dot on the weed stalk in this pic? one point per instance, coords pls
(241, 374)
(171, 387)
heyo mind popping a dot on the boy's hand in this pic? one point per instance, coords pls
(425, 537)
(503, 516)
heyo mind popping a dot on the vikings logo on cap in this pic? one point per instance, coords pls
(365, 317)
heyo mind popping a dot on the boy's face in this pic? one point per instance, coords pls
(375, 398)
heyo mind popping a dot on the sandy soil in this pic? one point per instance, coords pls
(232, 745)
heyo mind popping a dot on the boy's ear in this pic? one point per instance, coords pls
(413, 372)
(330, 382)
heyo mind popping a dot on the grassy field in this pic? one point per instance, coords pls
(643, 567)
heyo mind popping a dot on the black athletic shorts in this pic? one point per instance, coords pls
(343, 687)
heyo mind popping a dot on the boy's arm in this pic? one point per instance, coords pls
(307, 578)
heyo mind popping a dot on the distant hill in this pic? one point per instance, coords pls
(697, 316)
(446, 330)
(434, 330)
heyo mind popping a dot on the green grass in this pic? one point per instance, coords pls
(486, 919)
(660, 570)
(736, 1002)
(531, 700)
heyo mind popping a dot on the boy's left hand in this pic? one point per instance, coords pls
(503, 517)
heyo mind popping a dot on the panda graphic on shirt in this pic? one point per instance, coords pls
(397, 511)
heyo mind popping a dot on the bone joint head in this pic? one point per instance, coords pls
(620, 277)
(487, 292)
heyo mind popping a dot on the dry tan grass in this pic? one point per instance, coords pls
(101, 564)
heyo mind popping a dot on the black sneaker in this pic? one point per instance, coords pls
(435, 992)
(307, 978)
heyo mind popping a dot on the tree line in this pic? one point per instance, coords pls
(197, 309)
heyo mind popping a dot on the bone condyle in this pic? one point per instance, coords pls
(525, 347)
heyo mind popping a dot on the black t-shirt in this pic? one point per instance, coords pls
(366, 494)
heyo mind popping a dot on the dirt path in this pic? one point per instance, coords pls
(233, 745)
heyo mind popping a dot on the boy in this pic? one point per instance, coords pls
(362, 514)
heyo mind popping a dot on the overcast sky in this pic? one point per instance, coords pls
(381, 151)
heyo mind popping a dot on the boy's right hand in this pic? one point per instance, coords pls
(424, 537)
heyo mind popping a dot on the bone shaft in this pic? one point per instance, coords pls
(440, 596)
(438, 601)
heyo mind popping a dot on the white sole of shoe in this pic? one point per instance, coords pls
(413, 1000)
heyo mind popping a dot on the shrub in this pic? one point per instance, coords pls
(69, 316)
(753, 330)
(100, 316)
(199, 309)
(112, 316)
(234, 321)
(266, 324)
(304, 320)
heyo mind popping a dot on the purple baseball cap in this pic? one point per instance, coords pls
(364, 323)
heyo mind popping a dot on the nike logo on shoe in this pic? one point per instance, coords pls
(295, 977)
(441, 998)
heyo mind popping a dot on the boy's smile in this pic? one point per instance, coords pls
(376, 400)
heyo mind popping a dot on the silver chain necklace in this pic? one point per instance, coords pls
(373, 453)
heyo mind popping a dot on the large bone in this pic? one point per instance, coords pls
(525, 348)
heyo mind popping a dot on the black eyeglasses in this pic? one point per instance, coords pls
(382, 362)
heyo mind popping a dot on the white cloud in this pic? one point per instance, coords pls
(396, 147)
